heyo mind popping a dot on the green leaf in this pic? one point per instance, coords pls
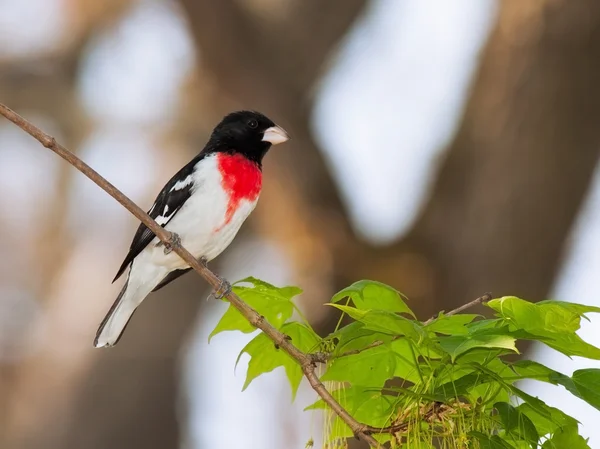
(579, 309)
(536, 318)
(489, 393)
(517, 423)
(367, 405)
(534, 370)
(406, 365)
(262, 286)
(585, 384)
(571, 344)
(459, 344)
(349, 397)
(376, 411)
(302, 336)
(463, 379)
(483, 356)
(265, 357)
(383, 321)
(549, 422)
(490, 441)
(485, 325)
(371, 367)
(451, 325)
(461, 386)
(566, 438)
(368, 295)
(356, 336)
(551, 322)
(274, 303)
(536, 404)
(568, 344)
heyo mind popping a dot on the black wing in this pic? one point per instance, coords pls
(173, 195)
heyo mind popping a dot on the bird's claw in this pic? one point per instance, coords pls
(223, 289)
(174, 242)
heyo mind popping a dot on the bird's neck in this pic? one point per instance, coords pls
(252, 152)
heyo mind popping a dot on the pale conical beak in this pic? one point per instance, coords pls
(275, 135)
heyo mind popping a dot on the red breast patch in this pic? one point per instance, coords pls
(241, 179)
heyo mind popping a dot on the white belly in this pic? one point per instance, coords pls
(202, 222)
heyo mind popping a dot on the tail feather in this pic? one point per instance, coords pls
(114, 323)
(134, 291)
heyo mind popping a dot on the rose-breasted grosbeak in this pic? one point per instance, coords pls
(204, 204)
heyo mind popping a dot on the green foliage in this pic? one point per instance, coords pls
(566, 438)
(373, 295)
(456, 345)
(552, 323)
(265, 356)
(271, 302)
(446, 383)
(517, 424)
(371, 367)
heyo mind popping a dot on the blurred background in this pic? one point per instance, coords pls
(448, 148)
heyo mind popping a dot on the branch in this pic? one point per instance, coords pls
(304, 360)
(322, 357)
(485, 298)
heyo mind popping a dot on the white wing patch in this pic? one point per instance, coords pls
(165, 216)
(161, 220)
(182, 184)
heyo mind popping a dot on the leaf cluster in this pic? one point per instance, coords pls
(450, 382)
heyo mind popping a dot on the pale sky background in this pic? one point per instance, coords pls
(397, 88)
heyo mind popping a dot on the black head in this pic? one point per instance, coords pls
(247, 132)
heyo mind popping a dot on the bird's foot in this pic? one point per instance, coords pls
(223, 289)
(174, 242)
(203, 261)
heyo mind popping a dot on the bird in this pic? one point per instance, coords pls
(203, 206)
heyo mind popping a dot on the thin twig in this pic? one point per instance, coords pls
(305, 361)
(484, 298)
(322, 357)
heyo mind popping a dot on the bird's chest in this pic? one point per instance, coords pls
(241, 181)
(226, 192)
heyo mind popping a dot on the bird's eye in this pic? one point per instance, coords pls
(253, 124)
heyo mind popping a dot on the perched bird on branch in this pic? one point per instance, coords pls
(203, 206)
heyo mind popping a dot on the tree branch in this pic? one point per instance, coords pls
(305, 360)
(485, 298)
